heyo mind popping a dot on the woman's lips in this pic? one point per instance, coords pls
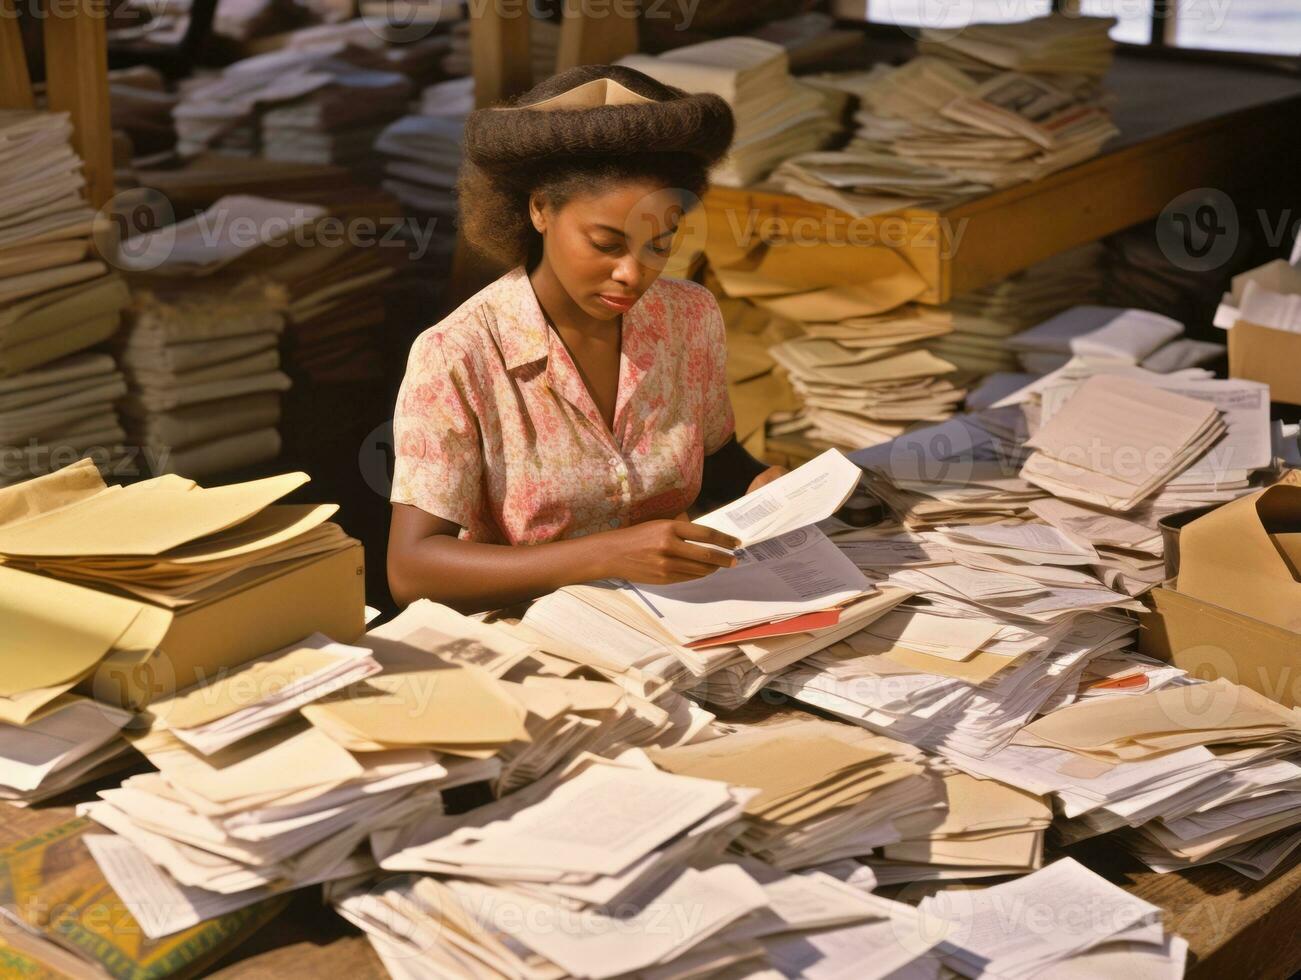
(617, 302)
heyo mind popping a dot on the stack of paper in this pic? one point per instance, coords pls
(966, 116)
(54, 414)
(987, 829)
(1053, 45)
(751, 920)
(56, 298)
(1116, 441)
(1190, 773)
(313, 105)
(1119, 935)
(827, 791)
(67, 742)
(167, 540)
(1112, 334)
(423, 151)
(776, 116)
(201, 348)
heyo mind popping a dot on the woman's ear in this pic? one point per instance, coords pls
(538, 212)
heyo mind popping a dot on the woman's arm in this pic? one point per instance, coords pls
(427, 560)
(731, 472)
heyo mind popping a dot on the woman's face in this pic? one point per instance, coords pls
(607, 247)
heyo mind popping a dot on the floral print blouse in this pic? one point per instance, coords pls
(495, 430)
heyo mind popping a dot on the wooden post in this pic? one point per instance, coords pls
(76, 73)
(15, 83)
(596, 32)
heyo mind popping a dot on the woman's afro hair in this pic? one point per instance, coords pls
(508, 156)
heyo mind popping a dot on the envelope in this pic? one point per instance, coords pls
(1265, 354)
(1243, 556)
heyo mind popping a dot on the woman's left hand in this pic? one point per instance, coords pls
(766, 477)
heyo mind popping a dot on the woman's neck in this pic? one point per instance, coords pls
(559, 306)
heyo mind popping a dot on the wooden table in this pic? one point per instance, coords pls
(1183, 126)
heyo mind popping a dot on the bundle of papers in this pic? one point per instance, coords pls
(1087, 926)
(56, 298)
(1116, 440)
(966, 116)
(1191, 772)
(59, 412)
(986, 829)
(313, 104)
(776, 116)
(827, 791)
(167, 540)
(70, 741)
(1111, 334)
(423, 151)
(201, 348)
(589, 903)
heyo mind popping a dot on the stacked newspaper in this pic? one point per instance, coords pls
(776, 115)
(1107, 333)
(967, 116)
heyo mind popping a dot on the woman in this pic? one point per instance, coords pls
(579, 403)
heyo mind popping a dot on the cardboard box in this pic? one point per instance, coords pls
(1210, 641)
(321, 594)
(1259, 353)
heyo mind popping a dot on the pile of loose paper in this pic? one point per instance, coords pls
(56, 298)
(776, 115)
(986, 107)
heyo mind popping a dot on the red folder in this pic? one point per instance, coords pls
(783, 627)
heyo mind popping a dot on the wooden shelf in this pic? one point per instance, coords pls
(1183, 127)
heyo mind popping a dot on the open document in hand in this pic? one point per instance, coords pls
(806, 495)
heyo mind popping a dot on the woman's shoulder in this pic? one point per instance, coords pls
(465, 335)
(683, 292)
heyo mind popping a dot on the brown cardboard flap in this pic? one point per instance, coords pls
(1259, 353)
(1210, 641)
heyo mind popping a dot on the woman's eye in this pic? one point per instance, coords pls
(662, 249)
(607, 249)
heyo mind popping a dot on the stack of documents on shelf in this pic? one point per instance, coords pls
(776, 115)
(986, 829)
(1119, 935)
(423, 151)
(201, 350)
(327, 292)
(1115, 441)
(54, 414)
(70, 741)
(790, 587)
(864, 396)
(827, 791)
(1053, 45)
(1110, 334)
(951, 122)
(56, 299)
(312, 105)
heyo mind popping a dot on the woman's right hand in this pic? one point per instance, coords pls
(662, 552)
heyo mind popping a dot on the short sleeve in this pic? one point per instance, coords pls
(719, 422)
(438, 463)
